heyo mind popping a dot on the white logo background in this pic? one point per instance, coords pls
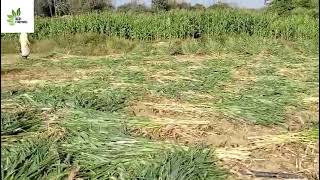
(27, 14)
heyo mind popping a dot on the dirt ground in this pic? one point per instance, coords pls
(240, 146)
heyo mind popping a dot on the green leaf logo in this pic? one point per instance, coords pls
(12, 17)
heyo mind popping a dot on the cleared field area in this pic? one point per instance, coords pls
(151, 115)
(171, 92)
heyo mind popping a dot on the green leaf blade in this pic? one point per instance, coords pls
(18, 12)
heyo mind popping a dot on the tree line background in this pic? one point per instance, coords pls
(69, 7)
(49, 8)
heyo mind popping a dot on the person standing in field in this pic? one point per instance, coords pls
(25, 45)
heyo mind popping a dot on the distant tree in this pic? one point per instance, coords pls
(142, 8)
(281, 6)
(183, 5)
(308, 4)
(65, 7)
(133, 6)
(38, 8)
(198, 6)
(61, 7)
(220, 5)
(76, 6)
(100, 4)
(160, 5)
(286, 7)
(178, 4)
(44, 8)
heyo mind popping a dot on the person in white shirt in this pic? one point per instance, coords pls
(25, 45)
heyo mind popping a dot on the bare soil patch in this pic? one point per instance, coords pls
(62, 57)
(292, 73)
(287, 157)
(243, 75)
(299, 118)
(16, 78)
(214, 127)
(240, 146)
(197, 59)
(9, 59)
(168, 75)
(243, 79)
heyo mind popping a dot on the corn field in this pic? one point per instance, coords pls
(179, 24)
